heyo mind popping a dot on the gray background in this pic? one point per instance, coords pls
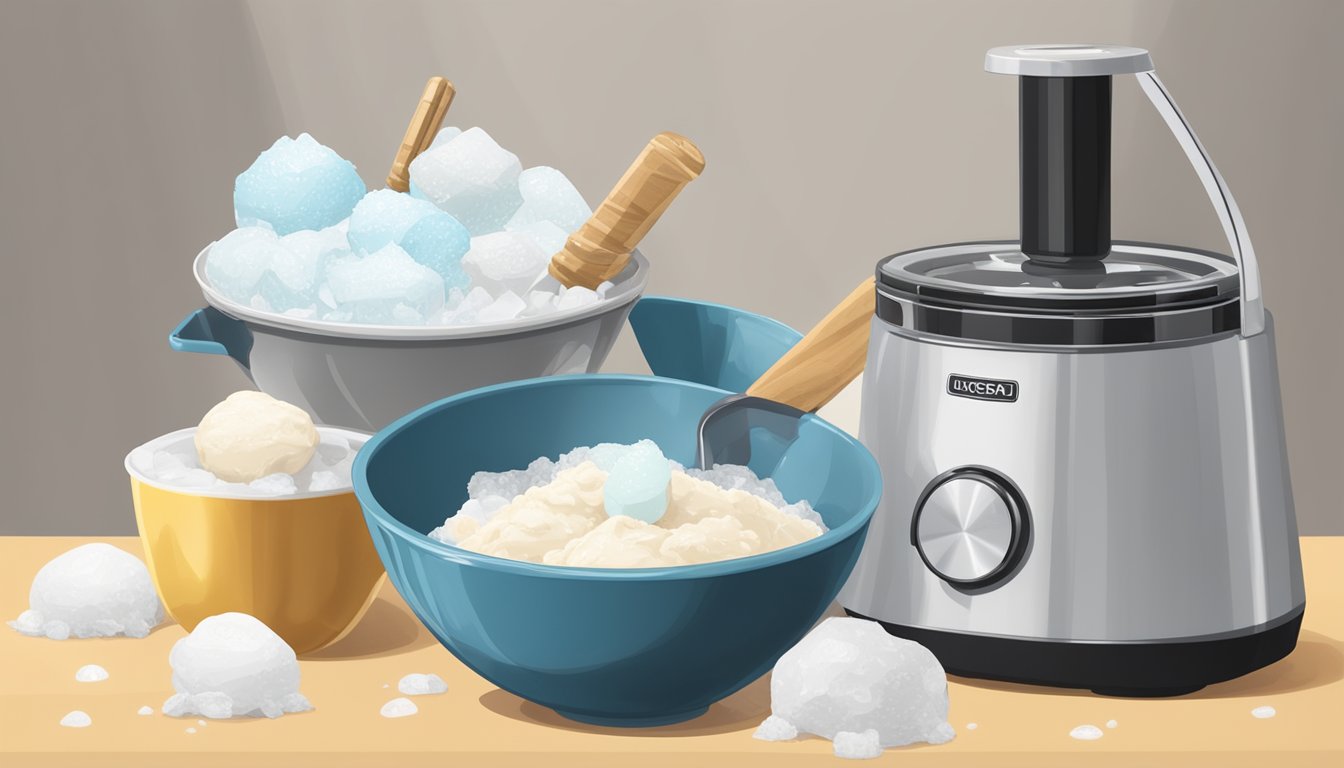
(835, 133)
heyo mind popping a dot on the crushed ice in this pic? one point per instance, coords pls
(174, 463)
(1086, 733)
(399, 707)
(77, 719)
(232, 665)
(90, 673)
(416, 684)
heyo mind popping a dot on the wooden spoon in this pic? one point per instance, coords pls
(425, 124)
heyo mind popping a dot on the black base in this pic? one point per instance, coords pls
(1110, 669)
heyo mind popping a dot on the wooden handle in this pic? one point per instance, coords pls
(826, 359)
(601, 248)
(425, 123)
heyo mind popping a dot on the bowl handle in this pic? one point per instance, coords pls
(707, 343)
(210, 332)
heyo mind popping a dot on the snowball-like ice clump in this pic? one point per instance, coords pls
(464, 248)
(416, 684)
(172, 461)
(232, 665)
(94, 590)
(849, 676)
(90, 673)
(296, 184)
(250, 435)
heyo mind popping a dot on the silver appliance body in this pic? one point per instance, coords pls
(1082, 488)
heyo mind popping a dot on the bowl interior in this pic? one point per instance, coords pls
(416, 470)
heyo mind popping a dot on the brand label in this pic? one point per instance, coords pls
(999, 390)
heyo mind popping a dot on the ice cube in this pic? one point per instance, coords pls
(603, 288)
(93, 590)
(235, 265)
(399, 707)
(371, 287)
(446, 134)
(539, 303)
(90, 673)
(475, 301)
(505, 261)
(472, 178)
(857, 746)
(326, 481)
(296, 184)
(439, 242)
(546, 235)
(637, 484)
(145, 710)
(383, 216)
(1086, 733)
(507, 307)
(77, 719)
(549, 196)
(232, 665)
(278, 484)
(850, 675)
(296, 270)
(578, 296)
(417, 684)
(775, 728)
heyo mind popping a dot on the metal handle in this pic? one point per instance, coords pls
(1234, 226)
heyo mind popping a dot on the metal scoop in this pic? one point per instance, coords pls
(600, 249)
(762, 423)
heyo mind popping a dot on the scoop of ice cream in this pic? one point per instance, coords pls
(251, 435)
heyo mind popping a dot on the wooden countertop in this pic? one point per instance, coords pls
(476, 724)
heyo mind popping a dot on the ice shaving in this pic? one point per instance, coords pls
(465, 245)
(93, 590)
(250, 444)
(625, 506)
(851, 682)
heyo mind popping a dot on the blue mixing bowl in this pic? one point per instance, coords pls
(632, 647)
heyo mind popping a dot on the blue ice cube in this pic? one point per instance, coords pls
(429, 235)
(296, 272)
(296, 184)
(637, 483)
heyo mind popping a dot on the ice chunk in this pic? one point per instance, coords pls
(850, 675)
(539, 303)
(857, 746)
(77, 719)
(371, 287)
(235, 265)
(637, 484)
(775, 728)
(94, 590)
(295, 273)
(549, 196)
(439, 242)
(446, 134)
(232, 665)
(1263, 713)
(470, 306)
(1086, 733)
(578, 296)
(326, 481)
(472, 178)
(145, 710)
(296, 184)
(545, 234)
(506, 307)
(399, 707)
(383, 216)
(417, 684)
(505, 261)
(278, 484)
(90, 673)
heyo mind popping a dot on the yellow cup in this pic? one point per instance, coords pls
(304, 564)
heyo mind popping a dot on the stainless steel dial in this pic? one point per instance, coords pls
(969, 526)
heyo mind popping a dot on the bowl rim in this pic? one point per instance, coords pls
(623, 293)
(177, 434)
(372, 508)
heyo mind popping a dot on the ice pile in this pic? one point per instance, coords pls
(851, 682)
(464, 247)
(94, 590)
(232, 665)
